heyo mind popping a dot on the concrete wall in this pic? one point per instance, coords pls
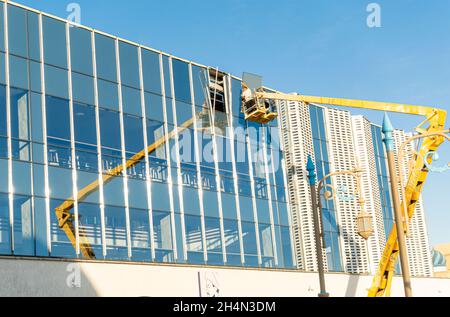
(36, 277)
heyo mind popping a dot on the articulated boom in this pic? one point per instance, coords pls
(435, 118)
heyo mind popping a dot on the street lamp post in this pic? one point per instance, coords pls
(389, 144)
(312, 183)
(364, 220)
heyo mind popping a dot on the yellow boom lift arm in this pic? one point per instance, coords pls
(435, 118)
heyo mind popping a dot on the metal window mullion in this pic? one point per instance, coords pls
(169, 164)
(99, 147)
(197, 165)
(8, 128)
(177, 157)
(44, 127)
(72, 142)
(124, 159)
(147, 163)
(235, 176)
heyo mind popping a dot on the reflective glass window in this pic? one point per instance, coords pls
(83, 88)
(200, 80)
(2, 31)
(55, 50)
(154, 109)
(18, 72)
(61, 245)
(58, 118)
(236, 90)
(113, 191)
(34, 51)
(162, 230)
(191, 201)
(108, 95)
(2, 69)
(249, 238)
(84, 124)
(56, 82)
(231, 232)
(131, 101)
(20, 114)
(155, 132)
(36, 117)
(40, 223)
(3, 125)
(81, 50)
(166, 73)
(151, 71)
(213, 235)
(35, 77)
(194, 239)
(110, 129)
(17, 27)
(105, 50)
(89, 221)
(129, 65)
(134, 139)
(266, 243)
(23, 226)
(116, 233)
(140, 235)
(181, 81)
(5, 232)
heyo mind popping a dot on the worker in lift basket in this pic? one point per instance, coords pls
(247, 97)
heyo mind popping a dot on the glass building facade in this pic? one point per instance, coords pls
(330, 226)
(139, 155)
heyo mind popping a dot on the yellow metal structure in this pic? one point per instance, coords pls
(435, 118)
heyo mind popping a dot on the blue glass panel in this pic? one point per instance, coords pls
(105, 50)
(129, 65)
(20, 116)
(116, 233)
(154, 109)
(229, 206)
(155, 132)
(2, 30)
(162, 229)
(179, 241)
(81, 50)
(35, 77)
(151, 71)
(249, 238)
(21, 177)
(160, 196)
(33, 36)
(3, 125)
(213, 235)
(89, 222)
(2, 69)
(251, 261)
(231, 233)
(5, 231)
(40, 223)
(262, 206)
(18, 72)
(84, 179)
(85, 124)
(266, 242)
(191, 201)
(39, 180)
(113, 192)
(201, 90)
(140, 235)
(58, 118)
(23, 226)
(83, 88)
(166, 72)
(246, 208)
(56, 82)
(236, 87)
(137, 193)
(108, 95)
(134, 138)
(110, 129)
(60, 243)
(17, 27)
(181, 81)
(4, 187)
(55, 51)
(131, 101)
(287, 247)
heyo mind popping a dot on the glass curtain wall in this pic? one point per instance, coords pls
(113, 151)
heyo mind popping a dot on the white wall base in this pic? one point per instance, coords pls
(42, 277)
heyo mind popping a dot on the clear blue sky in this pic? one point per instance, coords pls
(317, 47)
